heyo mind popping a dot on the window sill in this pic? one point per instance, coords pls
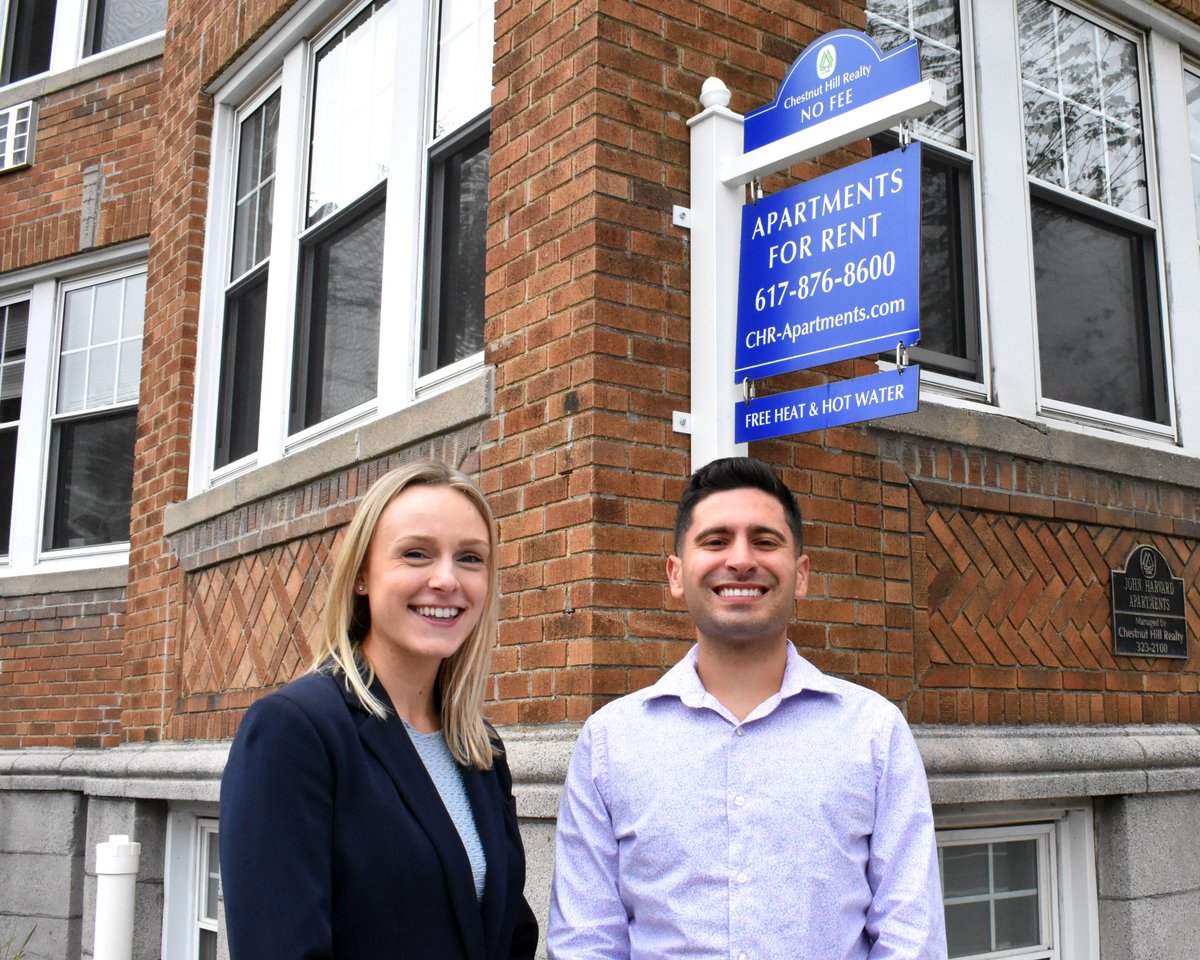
(1050, 441)
(65, 581)
(99, 65)
(430, 416)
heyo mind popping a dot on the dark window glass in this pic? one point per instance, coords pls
(114, 22)
(91, 482)
(1099, 333)
(14, 327)
(238, 399)
(337, 335)
(27, 39)
(453, 326)
(8, 463)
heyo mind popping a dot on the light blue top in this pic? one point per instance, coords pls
(803, 831)
(444, 772)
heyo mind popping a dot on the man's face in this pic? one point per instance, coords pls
(738, 570)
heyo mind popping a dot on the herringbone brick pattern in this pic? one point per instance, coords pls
(247, 627)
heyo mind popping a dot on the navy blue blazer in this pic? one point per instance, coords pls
(335, 844)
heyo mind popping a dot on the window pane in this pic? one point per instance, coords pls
(352, 110)
(122, 21)
(965, 870)
(27, 39)
(102, 376)
(255, 187)
(102, 344)
(106, 323)
(8, 462)
(1083, 124)
(212, 878)
(1098, 333)
(968, 928)
(72, 382)
(207, 949)
(935, 24)
(337, 359)
(462, 220)
(91, 480)
(1192, 90)
(14, 328)
(464, 84)
(239, 395)
(1014, 866)
(1017, 922)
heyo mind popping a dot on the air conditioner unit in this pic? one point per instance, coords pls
(17, 125)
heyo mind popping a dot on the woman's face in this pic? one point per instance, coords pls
(425, 576)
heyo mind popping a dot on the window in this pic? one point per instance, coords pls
(1094, 255)
(994, 884)
(950, 340)
(50, 35)
(1191, 82)
(192, 884)
(14, 328)
(95, 416)
(1023, 889)
(246, 296)
(28, 32)
(208, 884)
(1046, 172)
(113, 23)
(349, 226)
(70, 368)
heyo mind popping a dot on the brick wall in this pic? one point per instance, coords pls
(588, 322)
(254, 585)
(964, 595)
(201, 37)
(95, 149)
(60, 669)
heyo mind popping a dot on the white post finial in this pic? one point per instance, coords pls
(714, 93)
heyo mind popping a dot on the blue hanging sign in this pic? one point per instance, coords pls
(830, 268)
(837, 72)
(830, 405)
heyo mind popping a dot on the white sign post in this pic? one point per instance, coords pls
(719, 174)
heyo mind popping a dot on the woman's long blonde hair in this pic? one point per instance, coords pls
(347, 618)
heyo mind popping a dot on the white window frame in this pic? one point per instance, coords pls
(43, 286)
(285, 59)
(70, 30)
(1008, 317)
(1067, 861)
(188, 828)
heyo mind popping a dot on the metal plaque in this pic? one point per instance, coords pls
(1148, 611)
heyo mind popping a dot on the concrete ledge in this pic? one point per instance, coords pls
(1046, 441)
(965, 765)
(66, 581)
(456, 407)
(157, 771)
(89, 69)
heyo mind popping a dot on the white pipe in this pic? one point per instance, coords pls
(116, 880)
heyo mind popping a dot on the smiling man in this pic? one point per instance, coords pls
(746, 806)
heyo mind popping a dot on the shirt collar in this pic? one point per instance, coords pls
(683, 681)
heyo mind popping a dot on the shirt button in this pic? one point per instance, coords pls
(742, 878)
(739, 731)
(742, 956)
(739, 801)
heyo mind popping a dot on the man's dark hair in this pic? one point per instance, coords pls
(736, 473)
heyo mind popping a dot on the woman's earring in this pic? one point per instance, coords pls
(360, 587)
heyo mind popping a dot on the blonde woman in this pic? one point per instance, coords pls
(366, 808)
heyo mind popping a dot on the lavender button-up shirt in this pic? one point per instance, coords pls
(805, 831)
